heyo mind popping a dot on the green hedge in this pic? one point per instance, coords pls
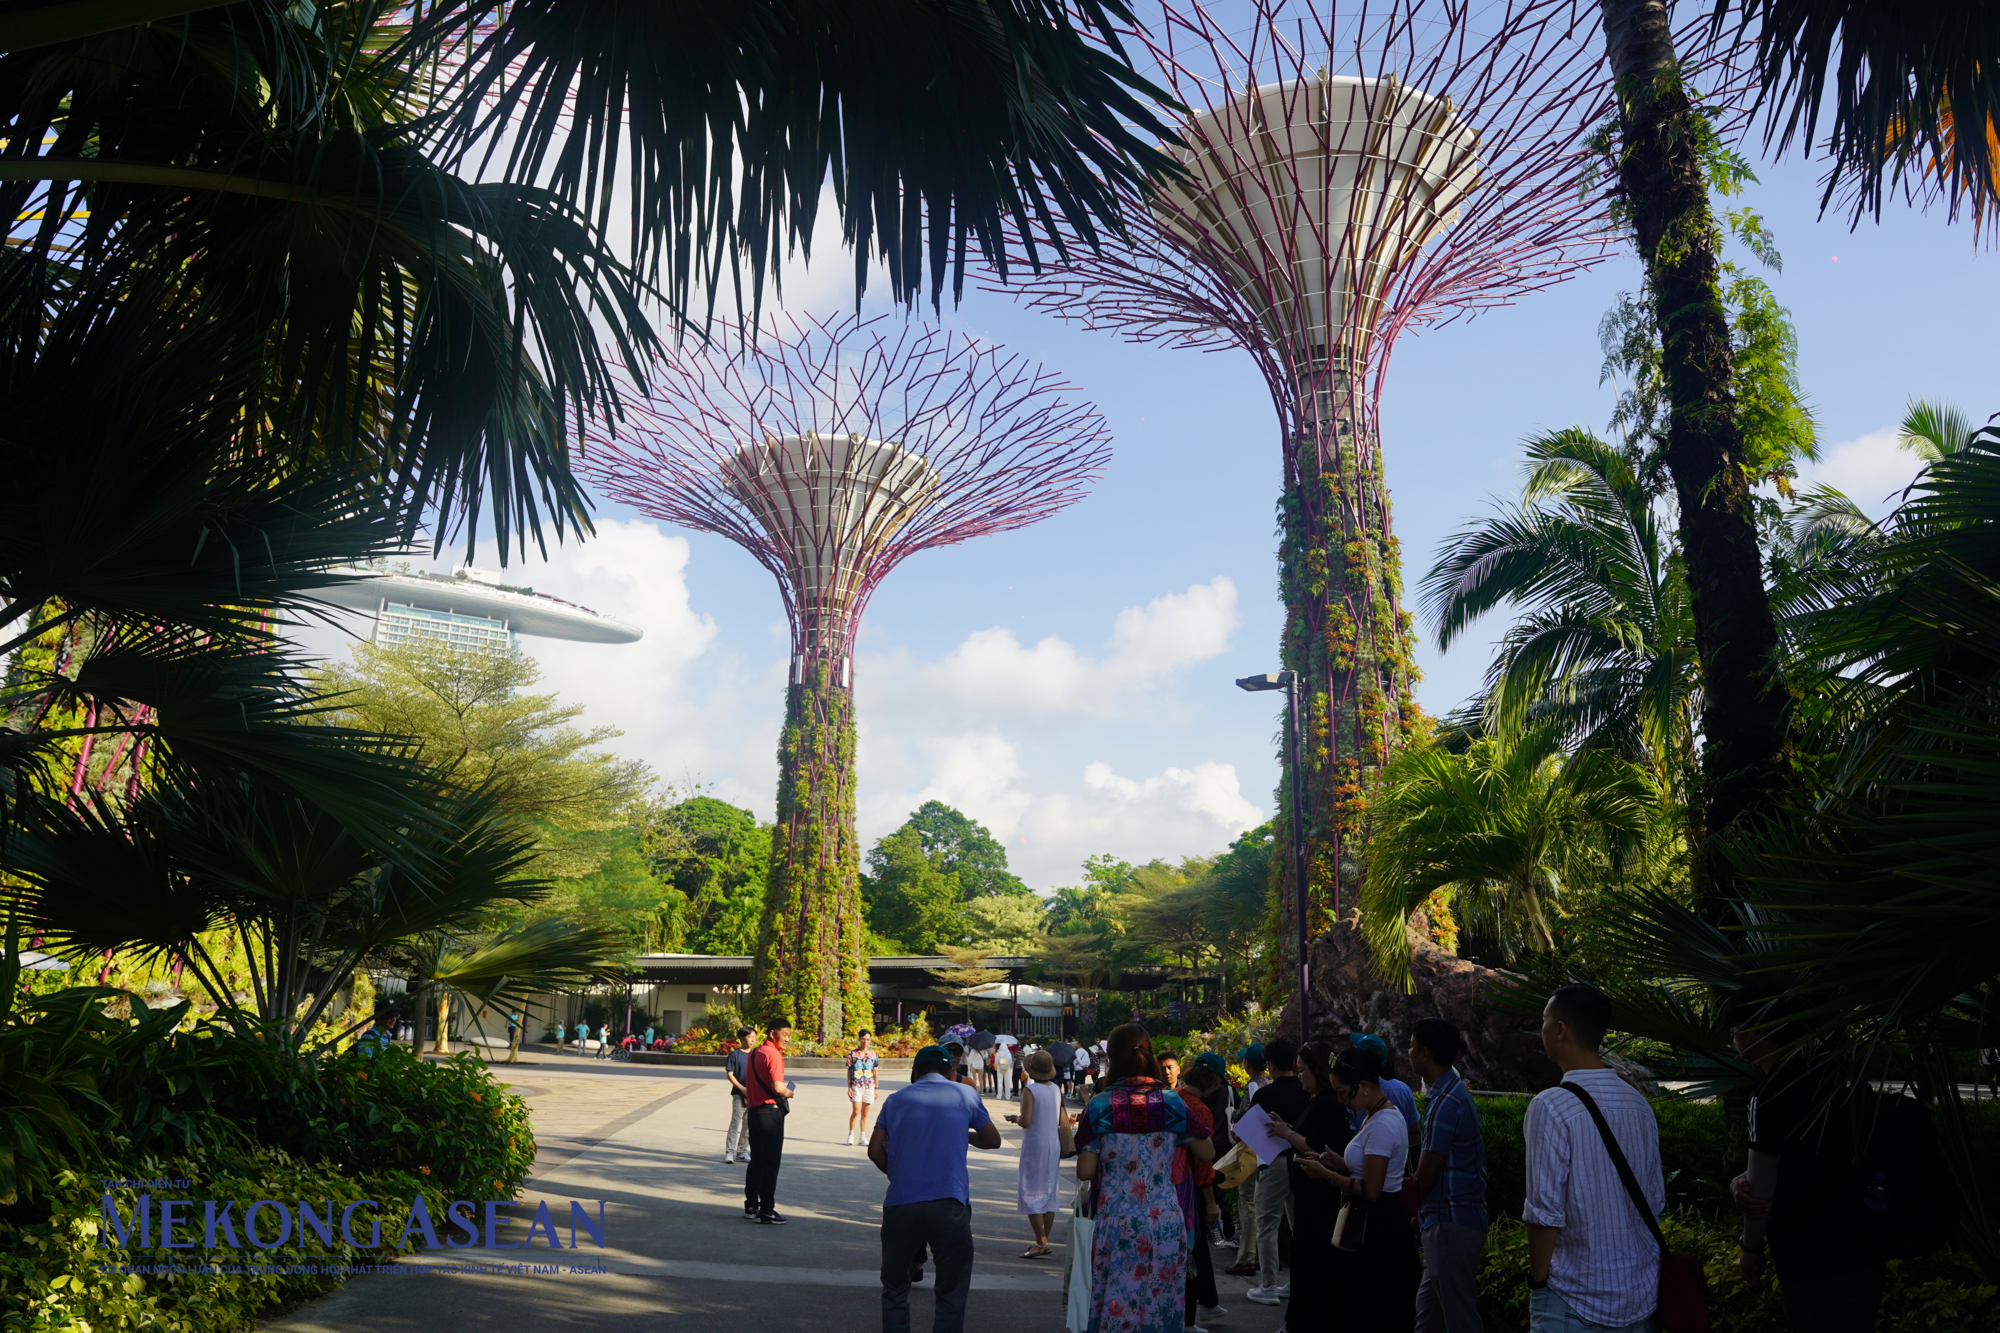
(58, 1273)
(1694, 1153)
(1942, 1292)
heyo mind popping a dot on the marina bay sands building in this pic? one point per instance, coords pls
(469, 608)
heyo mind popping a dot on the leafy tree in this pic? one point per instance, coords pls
(1506, 825)
(913, 901)
(717, 858)
(479, 729)
(1771, 412)
(969, 851)
(1003, 924)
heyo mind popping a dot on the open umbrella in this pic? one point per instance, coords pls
(1062, 1052)
(957, 1032)
(1006, 1039)
(980, 1041)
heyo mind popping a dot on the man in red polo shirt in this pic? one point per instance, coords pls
(765, 1092)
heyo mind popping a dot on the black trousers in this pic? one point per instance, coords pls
(767, 1149)
(1200, 1279)
(945, 1225)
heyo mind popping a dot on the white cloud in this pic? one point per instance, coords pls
(1869, 469)
(993, 671)
(1050, 827)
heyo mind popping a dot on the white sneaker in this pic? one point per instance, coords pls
(730, 1158)
(1284, 1291)
(850, 1138)
(1194, 1328)
(1210, 1311)
(1264, 1296)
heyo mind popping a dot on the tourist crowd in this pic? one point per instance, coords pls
(1385, 1203)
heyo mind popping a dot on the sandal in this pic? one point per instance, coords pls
(1036, 1252)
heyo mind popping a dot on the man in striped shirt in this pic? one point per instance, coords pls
(1592, 1262)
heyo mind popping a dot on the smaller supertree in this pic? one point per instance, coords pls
(831, 450)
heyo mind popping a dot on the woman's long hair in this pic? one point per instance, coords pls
(1130, 1053)
(1318, 1057)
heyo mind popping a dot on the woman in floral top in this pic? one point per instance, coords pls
(861, 1066)
(1133, 1147)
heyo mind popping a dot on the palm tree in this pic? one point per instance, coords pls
(1933, 430)
(1604, 648)
(1504, 826)
(1898, 80)
(330, 174)
(1662, 155)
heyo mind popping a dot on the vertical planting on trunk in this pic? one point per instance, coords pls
(1349, 639)
(1664, 188)
(809, 966)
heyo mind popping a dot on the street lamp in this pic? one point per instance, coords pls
(1288, 681)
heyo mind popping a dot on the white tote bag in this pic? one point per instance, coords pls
(1076, 1277)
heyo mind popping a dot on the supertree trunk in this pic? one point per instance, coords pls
(1346, 635)
(810, 967)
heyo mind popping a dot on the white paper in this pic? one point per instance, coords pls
(1254, 1131)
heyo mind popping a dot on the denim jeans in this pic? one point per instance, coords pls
(1448, 1298)
(1548, 1312)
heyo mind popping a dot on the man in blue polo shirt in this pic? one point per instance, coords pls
(1451, 1177)
(919, 1142)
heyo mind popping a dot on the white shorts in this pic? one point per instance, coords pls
(866, 1096)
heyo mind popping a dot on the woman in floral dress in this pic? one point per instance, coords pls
(1133, 1147)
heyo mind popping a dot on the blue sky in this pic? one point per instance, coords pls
(1070, 685)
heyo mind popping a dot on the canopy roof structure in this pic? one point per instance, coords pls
(524, 611)
(1368, 171)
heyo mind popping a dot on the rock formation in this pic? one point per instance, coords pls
(1351, 996)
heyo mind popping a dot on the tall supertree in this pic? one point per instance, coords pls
(831, 450)
(1353, 172)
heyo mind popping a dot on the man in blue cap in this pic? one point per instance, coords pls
(1397, 1091)
(919, 1142)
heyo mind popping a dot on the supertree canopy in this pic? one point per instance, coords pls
(1351, 172)
(831, 450)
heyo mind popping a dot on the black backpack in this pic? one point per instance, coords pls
(1900, 1195)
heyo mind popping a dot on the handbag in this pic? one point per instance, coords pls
(1683, 1296)
(1350, 1229)
(1235, 1166)
(784, 1104)
(1077, 1273)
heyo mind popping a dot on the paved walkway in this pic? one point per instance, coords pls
(647, 1142)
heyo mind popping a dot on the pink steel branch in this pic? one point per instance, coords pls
(1003, 444)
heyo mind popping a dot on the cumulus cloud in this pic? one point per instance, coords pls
(1870, 470)
(1051, 822)
(994, 671)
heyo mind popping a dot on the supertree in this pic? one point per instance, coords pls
(831, 450)
(1351, 173)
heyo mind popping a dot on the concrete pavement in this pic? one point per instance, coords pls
(647, 1142)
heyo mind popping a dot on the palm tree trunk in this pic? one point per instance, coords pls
(444, 1015)
(1744, 705)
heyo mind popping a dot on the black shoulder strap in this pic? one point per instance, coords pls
(773, 1092)
(1618, 1160)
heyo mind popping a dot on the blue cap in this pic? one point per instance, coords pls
(1252, 1054)
(1211, 1061)
(937, 1054)
(1375, 1044)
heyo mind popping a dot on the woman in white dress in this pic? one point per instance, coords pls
(1044, 1125)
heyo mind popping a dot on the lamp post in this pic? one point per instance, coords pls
(1288, 681)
